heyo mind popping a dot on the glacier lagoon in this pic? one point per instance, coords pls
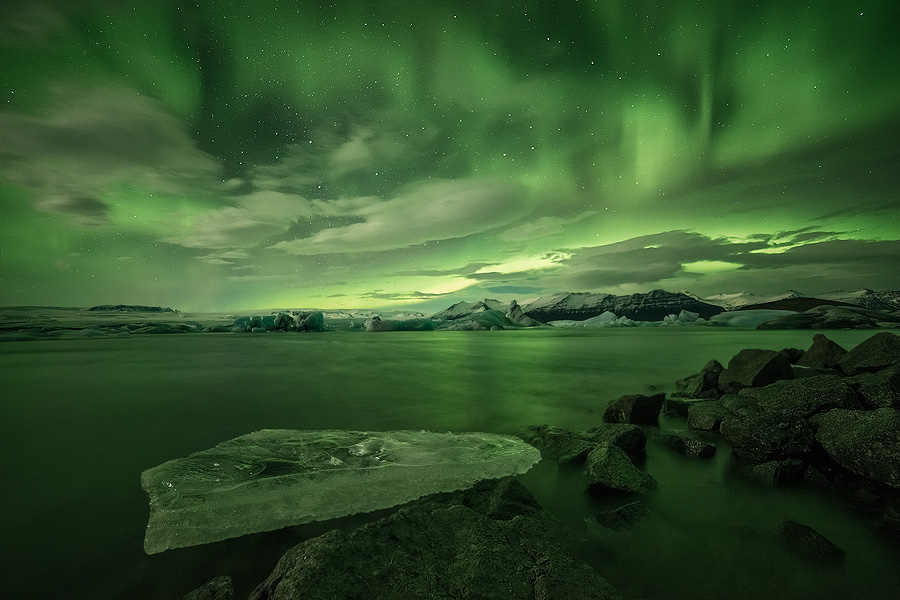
(82, 418)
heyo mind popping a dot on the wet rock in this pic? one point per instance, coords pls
(704, 384)
(219, 588)
(802, 540)
(608, 468)
(792, 354)
(878, 352)
(706, 416)
(770, 423)
(753, 368)
(865, 442)
(687, 445)
(629, 438)
(777, 473)
(680, 406)
(435, 551)
(570, 446)
(634, 408)
(878, 390)
(629, 516)
(823, 354)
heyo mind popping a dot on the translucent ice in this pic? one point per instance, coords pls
(275, 478)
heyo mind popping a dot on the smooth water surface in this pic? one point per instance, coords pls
(81, 419)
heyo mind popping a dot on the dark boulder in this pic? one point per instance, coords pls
(878, 352)
(706, 416)
(436, 550)
(865, 442)
(630, 516)
(878, 390)
(219, 588)
(770, 423)
(804, 541)
(704, 384)
(607, 468)
(687, 445)
(628, 438)
(777, 473)
(570, 446)
(680, 406)
(792, 354)
(753, 368)
(823, 354)
(634, 408)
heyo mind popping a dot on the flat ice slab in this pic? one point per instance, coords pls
(276, 478)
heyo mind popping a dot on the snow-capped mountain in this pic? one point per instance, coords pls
(735, 301)
(884, 300)
(464, 309)
(652, 306)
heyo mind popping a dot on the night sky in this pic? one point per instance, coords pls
(217, 155)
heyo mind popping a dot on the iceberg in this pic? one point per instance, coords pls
(276, 478)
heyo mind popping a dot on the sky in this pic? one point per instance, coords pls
(217, 155)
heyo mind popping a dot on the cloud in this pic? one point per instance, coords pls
(90, 140)
(429, 212)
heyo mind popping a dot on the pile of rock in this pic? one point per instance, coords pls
(825, 416)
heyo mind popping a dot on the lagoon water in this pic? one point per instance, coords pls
(80, 419)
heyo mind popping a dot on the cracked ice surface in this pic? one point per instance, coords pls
(275, 478)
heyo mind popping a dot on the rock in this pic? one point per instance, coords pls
(680, 406)
(878, 390)
(634, 408)
(800, 372)
(625, 517)
(754, 368)
(865, 442)
(879, 351)
(770, 423)
(569, 446)
(628, 438)
(706, 416)
(777, 473)
(436, 551)
(608, 468)
(687, 445)
(802, 540)
(704, 384)
(823, 354)
(219, 588)
(792, 354)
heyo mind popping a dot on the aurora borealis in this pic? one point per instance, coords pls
(219, 155)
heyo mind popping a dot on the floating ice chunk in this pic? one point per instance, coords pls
(280, 477)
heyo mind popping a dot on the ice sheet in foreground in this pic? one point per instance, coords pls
(275, 478)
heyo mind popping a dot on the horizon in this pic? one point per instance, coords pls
(387, 156)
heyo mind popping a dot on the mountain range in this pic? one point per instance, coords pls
(657, 304)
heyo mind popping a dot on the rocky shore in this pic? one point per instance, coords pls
(822, 418)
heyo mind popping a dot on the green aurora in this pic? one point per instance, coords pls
(218, 155)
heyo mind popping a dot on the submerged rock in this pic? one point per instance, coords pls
(608, 468)
(277, 477)
(865, 442)
(634, 408)
(878, 352)
(219, 588)
(437, 550)
(687, 445)
(704, 384)
(802, 540)
(567, 445)
(753, 368)
(628, 516)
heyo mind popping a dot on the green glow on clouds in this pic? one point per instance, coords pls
(220, 155)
